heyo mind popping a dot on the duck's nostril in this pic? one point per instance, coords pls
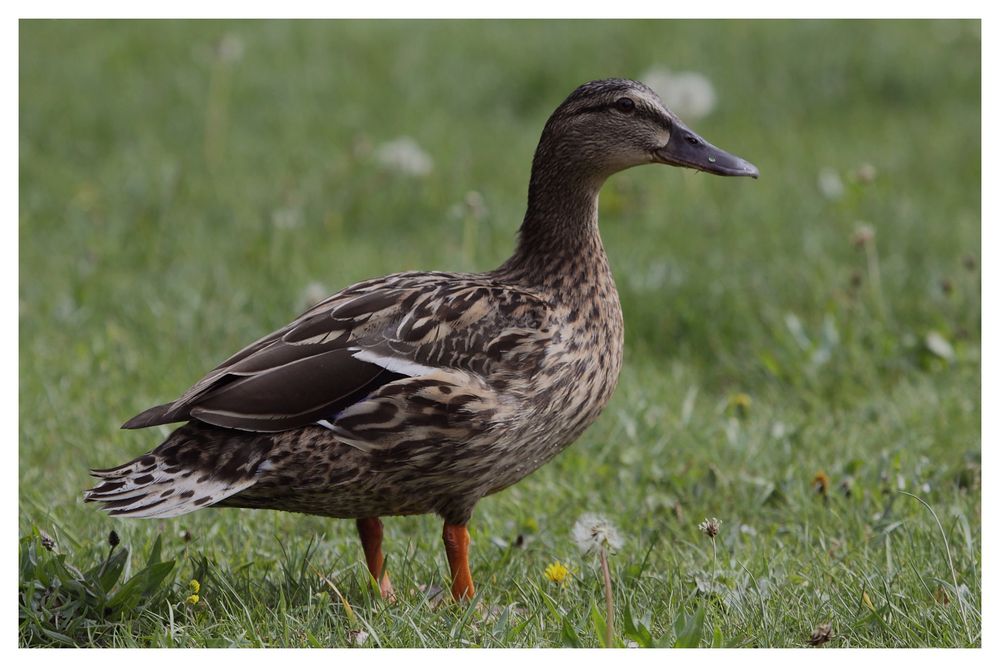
(691, 139)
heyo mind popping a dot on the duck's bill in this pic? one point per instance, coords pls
(687, 149)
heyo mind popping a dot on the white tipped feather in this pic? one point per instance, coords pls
(394, 364)
(145, 491)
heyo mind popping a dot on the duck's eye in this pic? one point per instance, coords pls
(625, 104)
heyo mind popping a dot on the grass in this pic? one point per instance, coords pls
(184, 184)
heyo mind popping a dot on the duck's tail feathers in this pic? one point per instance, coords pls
(196, 467)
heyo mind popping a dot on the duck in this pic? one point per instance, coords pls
(423, 392)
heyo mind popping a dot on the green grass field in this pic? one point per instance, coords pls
(184, 188)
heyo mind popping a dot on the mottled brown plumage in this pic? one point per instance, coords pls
(425, 391)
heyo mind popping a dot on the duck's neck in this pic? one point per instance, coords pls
(559, 238)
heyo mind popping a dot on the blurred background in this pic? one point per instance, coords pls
(186, 187)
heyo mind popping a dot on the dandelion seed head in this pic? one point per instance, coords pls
(591, 532)
(288, 217)
(405, 156)
(475, 204)
(230, 49)
(313, 293)
(688, 94)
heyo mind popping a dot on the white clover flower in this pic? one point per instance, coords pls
(591, 532)
(830, 185)
(863, 236)
(688, 94)
(939, 345)
(710, 527)
(405, 156)
(866, 173)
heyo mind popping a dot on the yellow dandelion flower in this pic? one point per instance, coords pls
(740, 404)
(556, 572)
(192, 599)
(195, 586)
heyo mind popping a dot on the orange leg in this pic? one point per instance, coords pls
(456, 545)
(370, 530)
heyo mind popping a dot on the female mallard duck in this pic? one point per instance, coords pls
(423, 392)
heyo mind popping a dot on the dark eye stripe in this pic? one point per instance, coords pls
(594, 108)
(640, 110)
(614, 105)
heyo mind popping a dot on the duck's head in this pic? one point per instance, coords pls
(614, 124)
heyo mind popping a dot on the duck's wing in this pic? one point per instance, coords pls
(344, 349)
